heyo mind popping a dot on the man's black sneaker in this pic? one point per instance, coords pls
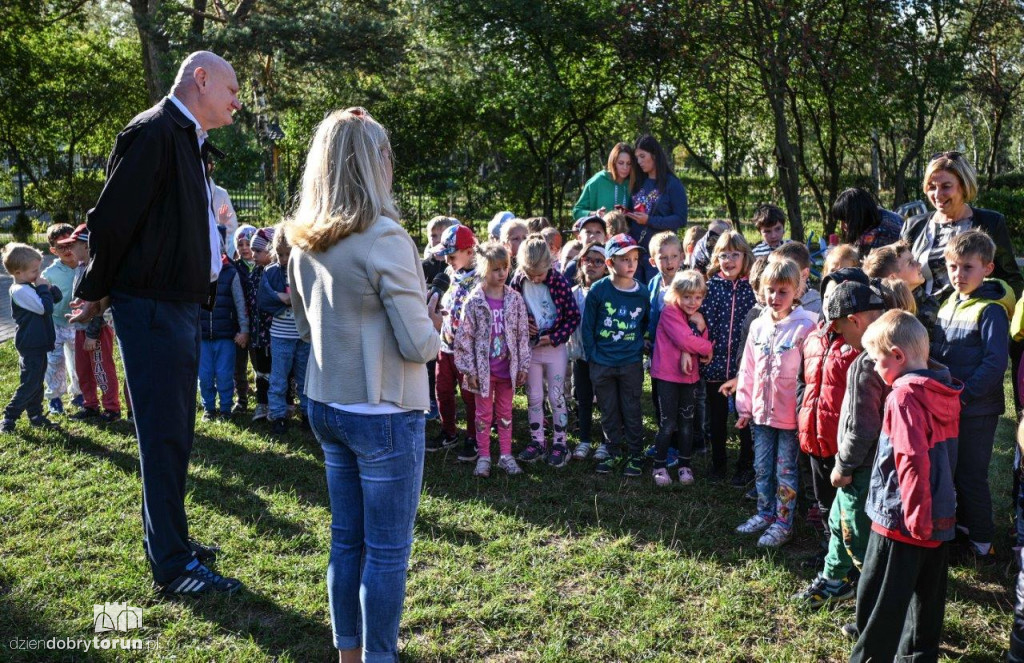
(85, 413)
(279, 426)
(468, 453)
(442, 442)
(205, 554)
(199, 580)
(850, 631)
(8, 425)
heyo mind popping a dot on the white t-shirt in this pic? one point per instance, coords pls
(541, 306)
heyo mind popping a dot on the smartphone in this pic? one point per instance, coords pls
(620, 208)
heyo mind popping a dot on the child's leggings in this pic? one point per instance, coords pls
(495, 405)
(718, 420)
(584, 399)
(675, 421)
(96, 370)
(775, 472)
(547, 364)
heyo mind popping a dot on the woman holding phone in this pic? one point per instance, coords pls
(659, 200)
(610, 188)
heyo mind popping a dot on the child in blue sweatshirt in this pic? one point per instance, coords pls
(614, 322)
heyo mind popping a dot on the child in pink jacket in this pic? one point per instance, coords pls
(766, 398)
(492, 351)
(681, 338)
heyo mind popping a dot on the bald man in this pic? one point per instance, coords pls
(155, 251)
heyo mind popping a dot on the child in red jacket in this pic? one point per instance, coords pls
(901, 599)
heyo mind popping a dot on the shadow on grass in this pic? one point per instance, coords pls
(25, 634)
(249, 472)
(279, 633)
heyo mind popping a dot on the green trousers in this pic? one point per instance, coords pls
(849, 526)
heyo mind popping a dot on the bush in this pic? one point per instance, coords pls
(22, 228)
(1009, 202)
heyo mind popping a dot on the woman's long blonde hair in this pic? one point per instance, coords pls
(346, 185)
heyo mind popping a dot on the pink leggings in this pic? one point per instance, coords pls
(498, 404)
(547, 365)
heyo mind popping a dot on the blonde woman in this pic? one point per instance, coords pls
(360, 300)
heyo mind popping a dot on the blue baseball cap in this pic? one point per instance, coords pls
(620, 244)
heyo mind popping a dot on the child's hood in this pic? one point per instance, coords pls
(999, 291)
(937, 389)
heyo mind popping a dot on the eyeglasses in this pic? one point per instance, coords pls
(951, 155)
(593, 262)
(731, 256)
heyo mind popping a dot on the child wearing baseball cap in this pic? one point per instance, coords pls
(614, 321)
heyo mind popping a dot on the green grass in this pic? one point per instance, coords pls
(549, 566)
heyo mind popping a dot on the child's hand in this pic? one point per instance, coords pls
(241, 339)
(521, 379)
(285, 299)
(698, 320)
(686, 363)
(531, 327)
(707, 359)
(728, 387)
(225, 214)
(838, 480)
(648, 347)
(742, 422)
(543, 341)
(91, 344)
(41, 281)
(473, 382)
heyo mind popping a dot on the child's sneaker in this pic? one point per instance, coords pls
(78, 401)
(56, 406)
(822, 590)
(8, 425)
(532, 453)
(109, 416)
(602, 452)
(433, 413)
(278, 426)
(260, 412)
(208, 415)
(483, 467)
(558, 456)
(441, 441)
(41, 422)
(672, 458)
(582, 451)
(661, 477)
(85, 413)
(509, 464)
(685, 476)
(775, 536)
(634, 467)
(651, 451)
(468, 453)
(609, 464)
(756, 523)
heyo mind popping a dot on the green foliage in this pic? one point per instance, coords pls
(22, 227)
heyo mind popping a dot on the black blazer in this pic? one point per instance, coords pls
(149, 231)
(994, 224)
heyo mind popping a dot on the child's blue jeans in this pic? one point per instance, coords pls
(775, 453)
(288, 356)
(217, 373)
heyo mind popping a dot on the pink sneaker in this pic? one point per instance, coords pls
(685, 476)
(661, 477)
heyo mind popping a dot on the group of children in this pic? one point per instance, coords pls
(880, 400)
(249, 320)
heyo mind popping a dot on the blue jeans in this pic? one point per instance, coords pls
(287, 355)
(775, 454)
(374, 474)
(217, 373)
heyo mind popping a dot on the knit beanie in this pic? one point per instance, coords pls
(262, 240)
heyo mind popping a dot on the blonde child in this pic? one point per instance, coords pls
(553, 316)
(554, 240)
(616, 223)
(844, 255)
(592, 268)
(682, 337)
(60, 362)
(728, 300)
(666, 256)
(809, 298)
(492, 352)
(766, 399)
(897, 260)
(537, 224)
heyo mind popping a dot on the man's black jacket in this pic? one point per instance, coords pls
(149, 231)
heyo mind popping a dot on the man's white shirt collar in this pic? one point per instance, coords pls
(200, 134)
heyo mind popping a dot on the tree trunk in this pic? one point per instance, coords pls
(789, 178)
(154, 47)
